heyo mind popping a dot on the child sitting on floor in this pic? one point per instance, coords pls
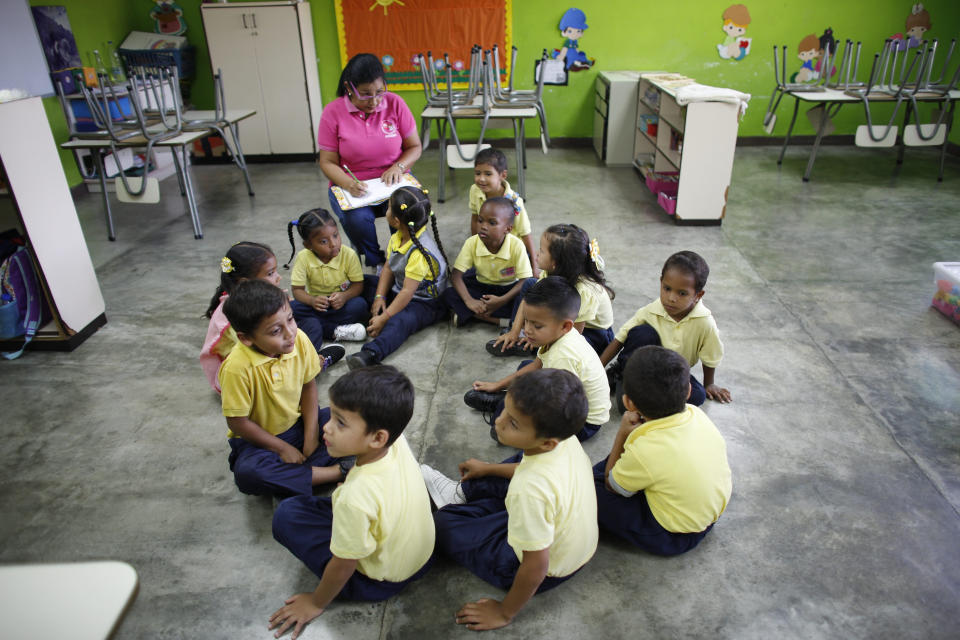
(244, 261)
(490, 181)
(410, 285)
(491, 269)
(270, 398)
(666, 480)
(678, 320)
(566, 251)
(550, 308)
(528, 523)
(327, 282)
(375, 534)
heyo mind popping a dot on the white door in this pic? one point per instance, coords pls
(232, 49)
(282, 79)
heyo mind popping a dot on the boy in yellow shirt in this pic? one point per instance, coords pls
(491, 268)
(666, 480)
(269, 397)
(529, 523)
(550, 309)
(375, 534)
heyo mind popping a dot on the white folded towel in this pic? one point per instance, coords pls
(705, 93)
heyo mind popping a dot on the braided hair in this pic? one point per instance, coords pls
(242, 262)
(412, 208)
(306, 224)
(569, 246)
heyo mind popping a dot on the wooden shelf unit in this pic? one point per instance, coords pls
(696, 141)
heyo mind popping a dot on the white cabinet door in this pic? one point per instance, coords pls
(231, 41)
(282, 79)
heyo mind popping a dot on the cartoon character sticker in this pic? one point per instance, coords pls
(828, 45)
(169, 18)
(808, 51)
(389, 129)
(572, 25)
(917, 24)
(736, 19)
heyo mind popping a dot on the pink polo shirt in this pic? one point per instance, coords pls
(368, 144)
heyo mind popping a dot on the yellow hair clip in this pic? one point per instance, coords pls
(402, 207)
(595, 254)
(425, 192)
(226, 265)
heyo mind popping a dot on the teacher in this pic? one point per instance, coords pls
(373, 133)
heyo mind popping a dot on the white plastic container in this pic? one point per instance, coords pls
(947, 298)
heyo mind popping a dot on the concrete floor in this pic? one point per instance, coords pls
(843, 434)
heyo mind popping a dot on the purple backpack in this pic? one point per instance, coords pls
(20, 289)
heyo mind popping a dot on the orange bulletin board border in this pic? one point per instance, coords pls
(397, 30)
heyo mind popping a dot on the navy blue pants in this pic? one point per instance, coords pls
(359, 226)
(415, 316)
(479, 289)
(319, 325)
(584, 434)
(598, 338)
(631, 519)
(303, 524)
(643, 335)
(260, 471)
(475, 534)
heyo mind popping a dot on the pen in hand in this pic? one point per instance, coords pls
(359, 185)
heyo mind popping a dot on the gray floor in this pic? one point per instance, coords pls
(843, 434)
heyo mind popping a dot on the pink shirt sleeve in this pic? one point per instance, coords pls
(406, 123)
(327, 135)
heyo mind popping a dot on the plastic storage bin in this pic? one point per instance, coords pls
(668, 202)
(658, 182)
(947, 298)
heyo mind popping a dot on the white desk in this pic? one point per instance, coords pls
(835, 99)
(517, 116)
(80, 601)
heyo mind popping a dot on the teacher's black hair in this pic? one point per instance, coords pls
(362, 68)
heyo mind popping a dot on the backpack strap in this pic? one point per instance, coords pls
(20, 261)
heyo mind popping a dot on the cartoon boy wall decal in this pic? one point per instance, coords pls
(572, 25)
(736, 19)
(808, 50)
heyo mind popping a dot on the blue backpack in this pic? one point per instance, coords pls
(23, 308)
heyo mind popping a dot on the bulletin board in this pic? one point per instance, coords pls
(396, 31)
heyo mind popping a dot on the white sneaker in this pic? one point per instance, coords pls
(355, 332)
(442, 490)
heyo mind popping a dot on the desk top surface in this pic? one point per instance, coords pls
(137, 141)
(836, 95)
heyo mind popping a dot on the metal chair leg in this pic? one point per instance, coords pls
(102, 172)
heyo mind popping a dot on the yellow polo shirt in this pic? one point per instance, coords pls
(696, 337)
(267, 390)
(680, 463)
(323, 278)
(596, 309)
(509, 264)
(521, 222)
(552, 503)
(571, 352)
(381, 516)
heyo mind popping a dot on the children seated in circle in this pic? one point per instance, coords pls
(491, 269)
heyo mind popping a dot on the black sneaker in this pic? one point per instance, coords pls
(482, 400)
(516, 350)
(330, 355)
(360, 359)
(618, 395)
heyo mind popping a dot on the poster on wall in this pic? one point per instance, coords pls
(399, 32)
(735, 46)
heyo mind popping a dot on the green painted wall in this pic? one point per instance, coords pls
(679, 36)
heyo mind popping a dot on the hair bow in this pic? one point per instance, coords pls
(595, 254)
(226, 265)
(425, 192)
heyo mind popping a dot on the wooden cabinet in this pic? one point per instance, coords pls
(688, 149)
(614, 115)
(266, 53)
(37, 201)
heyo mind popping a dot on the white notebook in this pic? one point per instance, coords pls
(377, 192)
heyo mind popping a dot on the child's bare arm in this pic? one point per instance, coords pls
(628, 423)
(255, 434)
(531, 253)
(612, 350)
(456, 279)
(492, 614)
(473, 468)
(495, 302)
(301, 608)
(714, 392)
(500, 385)
(399, 303)
(309, 411)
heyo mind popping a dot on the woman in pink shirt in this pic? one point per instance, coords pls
(371, 132)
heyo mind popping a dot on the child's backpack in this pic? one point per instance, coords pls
(23, 308)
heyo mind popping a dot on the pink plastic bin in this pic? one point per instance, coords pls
(947, 298)
(667, 202)
(660, 182)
